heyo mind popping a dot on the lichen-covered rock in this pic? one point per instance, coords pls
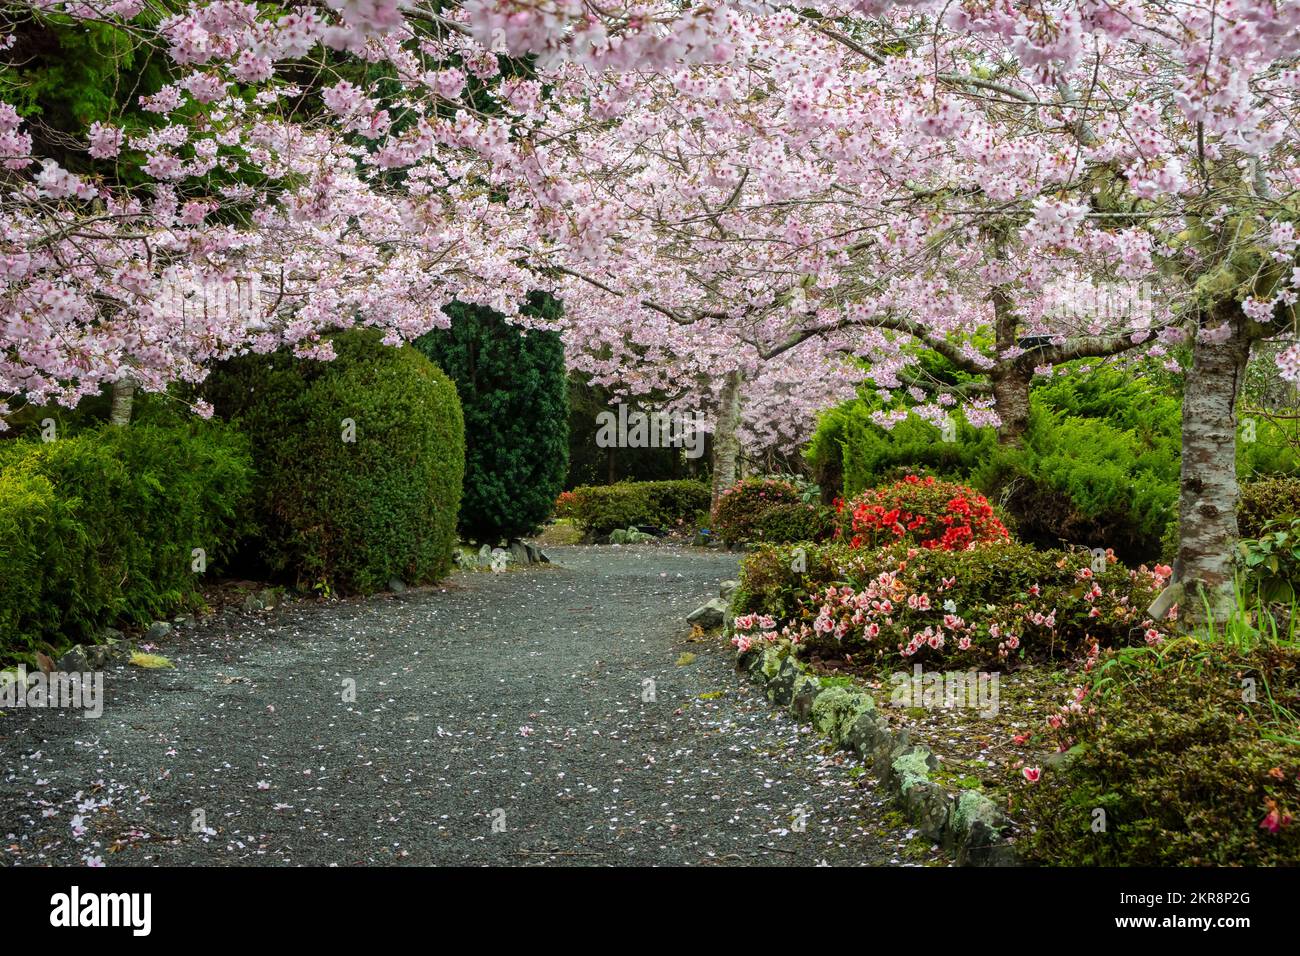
(978, 831)
(780, 690)
(867, 729)
(806, 691)
(708, 615)
(911, 766)
(890, 746)
(727, 588)
(927, 805)
(771, 663)
(835, 710)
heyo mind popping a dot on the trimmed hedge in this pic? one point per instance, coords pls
(788, 523)
(349, 515)
(100, 527)
(1188, 768)
(601, 509)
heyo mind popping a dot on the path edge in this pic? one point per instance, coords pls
(970, 825)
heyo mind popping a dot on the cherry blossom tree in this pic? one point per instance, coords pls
(747, 190)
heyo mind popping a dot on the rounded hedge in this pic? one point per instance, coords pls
(601, 509)
(360, 461)
(736, 516)
(788, 523)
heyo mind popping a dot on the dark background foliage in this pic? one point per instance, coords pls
(514, 392)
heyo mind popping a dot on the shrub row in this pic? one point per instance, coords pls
(1002, 601)
(102, 526)
(601, 509)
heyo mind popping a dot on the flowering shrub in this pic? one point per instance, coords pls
(995, 603)
(775, 580)
(1188, 769)
(736, 517)
(934, 514)
(566, 505)
(751, 629)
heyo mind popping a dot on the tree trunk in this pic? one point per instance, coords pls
(123, 400)
(1207, 511)
(1011, 402)
(726, 446)
(1010, 382)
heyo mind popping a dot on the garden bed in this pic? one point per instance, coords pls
(977, 748)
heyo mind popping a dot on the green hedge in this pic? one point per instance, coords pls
(349, 515)
(1188, 767)
(600, 509)
(99, 527)
(787, 523)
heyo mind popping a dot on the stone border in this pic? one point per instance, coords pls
(969, 825)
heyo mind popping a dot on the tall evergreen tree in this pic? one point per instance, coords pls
(514, 392)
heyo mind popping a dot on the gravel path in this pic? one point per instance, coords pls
(498, 719)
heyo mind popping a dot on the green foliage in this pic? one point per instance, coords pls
(809, 491)
(849, 452)
(1098, 467)
(1188, 769)
(349, 515)
(776, 579)
(514, 392)
(68, 73)
(100, 527)
(590, 464)
(676, 503)
(1084, 481)
(1265, 501)
(736, 516)
(797, 521)
(602, 509)
(1271, 562)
